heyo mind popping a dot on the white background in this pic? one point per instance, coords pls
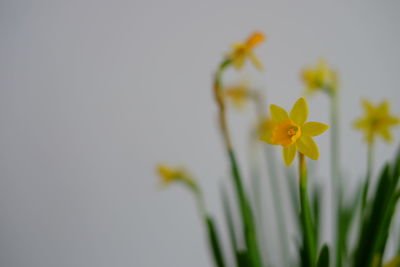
(94, 94)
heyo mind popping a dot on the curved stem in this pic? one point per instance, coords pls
(245, 209)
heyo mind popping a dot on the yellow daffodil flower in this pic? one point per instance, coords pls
(242, 51)
(320, 77)
(292, 132)
(238, 94)
(169, 174)
(376, 121)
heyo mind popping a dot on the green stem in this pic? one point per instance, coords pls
(305, 213)
(335, 168)
(245, 209)
(247, 215)
(335, 174)
(213, 237)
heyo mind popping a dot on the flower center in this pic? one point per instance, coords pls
(292, 131)
(286, 133)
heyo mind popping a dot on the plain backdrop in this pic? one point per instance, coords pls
(94, 93)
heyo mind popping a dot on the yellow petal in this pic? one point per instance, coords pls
(393, 121)
(255, 39)
(288, 154)
(308, 75)
(322, 65)
(361, 124)
(308, 147)
(384, 107)
(314, 128)
(299, 112)
(369, 108)
(265, 130)
(256, 62)
(278, 114)
(386, 135)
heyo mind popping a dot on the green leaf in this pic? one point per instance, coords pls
(323, 258)
(215, 243)
(246, 213)
(241, 256)
(376, 223)
(371, 224)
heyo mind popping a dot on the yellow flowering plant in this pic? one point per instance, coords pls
(248, 240)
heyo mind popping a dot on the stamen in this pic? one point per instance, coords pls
(292, 131)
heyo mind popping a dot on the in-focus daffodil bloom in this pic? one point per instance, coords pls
(169, 174)
(320, 77)
(292, 132)
(376, 121)
(238, 94)
(242, 51)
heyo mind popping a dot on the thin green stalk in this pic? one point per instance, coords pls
(247, 215)
(213, 237)
(335, 174)
(305, 214)
(335, 146)
(245, 209)
(257, 191)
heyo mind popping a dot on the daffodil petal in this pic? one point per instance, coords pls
(255, 39)
(299, 112)
(361, 123)
(384, 107)
(308, 147)
(266, 137)
(386, 135)
(256, 62)
(314, 128)
(289, 152)
(368, 107)
(278, 114)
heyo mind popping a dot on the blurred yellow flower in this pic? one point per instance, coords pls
(169, 174)
(242, 51)
(320, 77)
(376, 120)
(238, 94)
(292, 132)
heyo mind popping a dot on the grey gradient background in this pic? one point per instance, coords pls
(94, 93)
